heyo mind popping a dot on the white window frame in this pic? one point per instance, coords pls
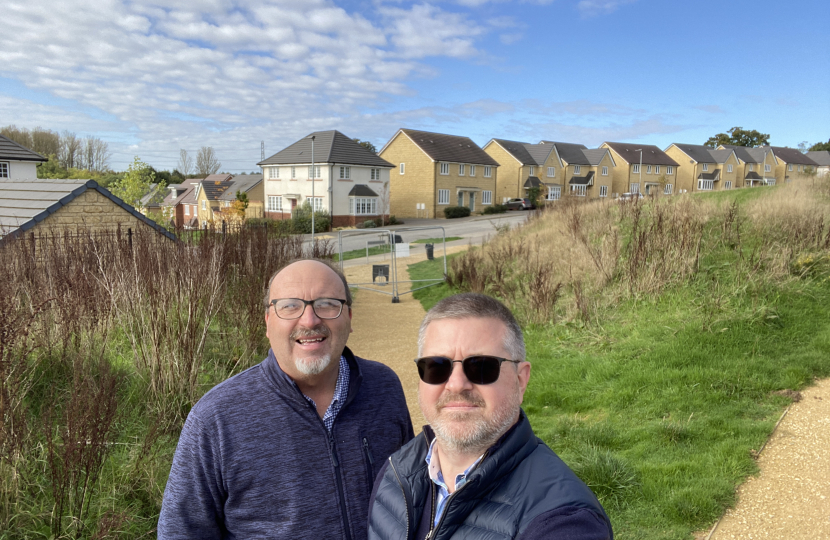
(187, 209)
(444, 169)
(402, 168)
(577, 169)
(554, 193)
(578, 190)
(727, 184)
(488, 171)
(345, 173)
(751, 167)
(648, 169)
(669, 169)
(657, 169)
(363, 206)
(789, 167)
(461, 169)
(705, 167)
(443, 196)
(5, 169)
(374, 174)
(603, 191)
(799, 168)
(204, 205)
(472, 170)
(667, 189)
(293, 172)
(316, 203)
(314, 174)
(487, 197)
(705, 185)
(605, 171)
(551, 172)
(729, 168)
(532, 171)
(634, 187)
(274, 203)
(273, 173)
(635, 169)
(768, 168)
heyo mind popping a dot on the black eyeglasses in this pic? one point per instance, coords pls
(293, 308)
(479, 369)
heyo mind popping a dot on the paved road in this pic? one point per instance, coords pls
(473, 228)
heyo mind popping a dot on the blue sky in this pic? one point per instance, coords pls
(151, 78)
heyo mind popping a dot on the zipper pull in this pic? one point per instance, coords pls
(368, 452)
(332, 453)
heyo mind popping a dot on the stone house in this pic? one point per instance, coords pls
(756, 165)
(708, 169)
(18, 162)
(253, 187)
(792, 164)
(179, 205)
(207, 193)
(641, 168)
(822, 158)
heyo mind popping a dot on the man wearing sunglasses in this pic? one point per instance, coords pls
(289, 448)
(478, 471)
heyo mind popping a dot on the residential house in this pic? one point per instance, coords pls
(756, 165)
(349, 181)
(35, 206)
(523, 166)
(587, 172)
(252, 186)
(708, 169)
(435, 171)
(18, 162)
(641, 168)
(180, 204)
(207, 195)
(822, 159)
(792, 164)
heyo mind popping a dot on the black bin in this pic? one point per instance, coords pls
(430, 248)
(398, 239)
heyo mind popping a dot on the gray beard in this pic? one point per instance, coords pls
(314, 365)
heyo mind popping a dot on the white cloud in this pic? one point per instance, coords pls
(591, 8)
(425, 30)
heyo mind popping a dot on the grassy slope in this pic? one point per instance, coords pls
(660, 407)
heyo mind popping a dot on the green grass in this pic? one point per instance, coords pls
(435, 241)
(433, 269)
(380, 250)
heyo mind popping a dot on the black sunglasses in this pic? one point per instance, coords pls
(481, 369)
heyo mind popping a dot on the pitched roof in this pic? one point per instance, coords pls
(582, 180)
(243, 183)
(214, 190)
(651, 154)
(595, 155)
(714, 175)
(532, 181)
(11, 150)
(752, 175)
(720, 156)
(792, 155)
(362, 190)
(25, 204)
(222, 177)
(453, 148)
(570, 152)
(518, 150)
(329, 147)
(182, 193)
(822, 157)
(697, 152)
(749, 155)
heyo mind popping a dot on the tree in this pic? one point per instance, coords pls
(135, 183)
(185, 165)
(95, 154)
(51, 169)
(367, 145)
(206, 161)
(70, 151)
(819, 146)
(739, 136)
(238, 207)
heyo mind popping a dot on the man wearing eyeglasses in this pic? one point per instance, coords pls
(289, 448)
(478, 471)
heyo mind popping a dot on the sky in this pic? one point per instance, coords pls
(152, 78)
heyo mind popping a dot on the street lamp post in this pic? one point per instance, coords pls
(312, 137)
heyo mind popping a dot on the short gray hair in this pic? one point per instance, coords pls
(479, 306)
(267, 300)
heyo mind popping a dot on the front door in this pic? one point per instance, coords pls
(293, 205)
(460, 198)
(472, 201)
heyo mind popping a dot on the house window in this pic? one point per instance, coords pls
(554, 193)
(669, 169)
(345, 173)
(359, 206)
(770, 181)
(204, 205)
(402, 168)
(274, 203)
(532, 171)
(705, 167)
(603, 191)
(445, 168)
(487, 171)
(273, 173)
(579, 191)
(314, 173)
(486, 197)
(460, 198)
(187, 209)
(4, 170)
(443, 196)
(374, 174)
(605, 171)
(551, 172)
(751, 167)
(635, 169)
(472, 170)
(768, 168)
(657, 169)
(460, 169)
(648, 169)
(729, 168)
(577, 168)
(635, 187)
(799, 168)
(727, 184)
(705, 185)
(227, 204)
(293, 172)
(316, 203)
(667, 189)
(789, 168)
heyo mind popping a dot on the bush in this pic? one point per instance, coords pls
(371, 223)
(456, 212)
(301, 220)
(495, 209)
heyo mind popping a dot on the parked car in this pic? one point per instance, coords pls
(629, 197)
(519, 204)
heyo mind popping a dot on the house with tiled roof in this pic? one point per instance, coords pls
(34, 206)
(523, 166)
(756, 166)
(180, 206)
(340, 165)
(18, 162)
(252, 186)
(207, 195)
(792, 164)
(588, 172)
(822, 158)
(641, 168)
(704, 168)
(436, 171)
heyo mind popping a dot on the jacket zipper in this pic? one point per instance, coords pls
(338, 476)
(434, 530)
(370, 469)
(403, 492)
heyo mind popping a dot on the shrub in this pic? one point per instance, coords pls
(370, 223)
(301, 220)
(456, 212)
(495, 209)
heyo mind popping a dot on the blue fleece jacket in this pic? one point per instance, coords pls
(254, 459)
